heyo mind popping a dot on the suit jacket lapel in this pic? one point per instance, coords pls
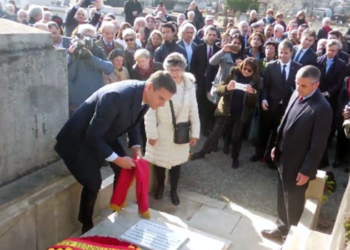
(292, 100)
(136, 107)
(305, 108)
(291, 71)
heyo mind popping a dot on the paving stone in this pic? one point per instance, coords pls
(202, 199)
(214, 221)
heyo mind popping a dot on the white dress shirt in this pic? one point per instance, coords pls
(189, 51)
(287, 68)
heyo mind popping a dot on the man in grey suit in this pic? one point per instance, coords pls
(301, 140)
(187, 33)
(89, 137)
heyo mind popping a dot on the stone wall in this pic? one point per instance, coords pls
(33, 99)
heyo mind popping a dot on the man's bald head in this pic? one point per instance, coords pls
(41, 26)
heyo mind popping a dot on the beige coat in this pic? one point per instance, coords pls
(158, 124)
(116, 76)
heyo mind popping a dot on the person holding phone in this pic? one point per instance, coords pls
(235, 108)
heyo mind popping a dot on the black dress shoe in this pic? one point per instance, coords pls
(198, 155)
(272, 234)
(256, 158)
(174, 198)
(86, 228)
(226, 149)
(235, 164)
(215, 148)
(159, 193)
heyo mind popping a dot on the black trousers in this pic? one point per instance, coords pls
(290, 204)
(174, 174)
(269, 122)
(92, 186)
(220, 127)
(206, 110)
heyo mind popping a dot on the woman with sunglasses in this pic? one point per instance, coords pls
(129, 37)
(239, 97)
(120, 40)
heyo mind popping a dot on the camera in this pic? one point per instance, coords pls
(84, 46)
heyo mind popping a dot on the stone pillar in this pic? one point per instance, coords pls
(33, 99)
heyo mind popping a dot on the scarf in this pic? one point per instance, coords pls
(300, 21)
(141, 173)
(327, 29)
(146, 73)
(93, 242)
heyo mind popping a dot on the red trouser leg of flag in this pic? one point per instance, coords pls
(142, 187)
(118, 200)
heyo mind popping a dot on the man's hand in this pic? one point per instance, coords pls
(208, 95)
(264, 105)
(72, 48)
(301, 179)
(272, 154)
(152, 142)
(346, 112)
(193, 141)
(124, 162)
(231, 85)
(134, 13)
(137, 152)
(97, 4)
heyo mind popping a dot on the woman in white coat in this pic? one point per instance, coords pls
(161, 150)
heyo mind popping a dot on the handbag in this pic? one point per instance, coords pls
(181, 130)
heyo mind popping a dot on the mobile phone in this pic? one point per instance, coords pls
(241, 86)
(235, 47)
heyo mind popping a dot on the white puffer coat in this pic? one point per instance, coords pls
(159, 126)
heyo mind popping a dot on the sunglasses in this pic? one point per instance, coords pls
(129, 40)
(248, 70)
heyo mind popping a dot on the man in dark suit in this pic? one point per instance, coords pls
(332, 75)
(279, 84)
(336, 34)
(303, 53)
(186, 34)
(200, 60)
(89, 138)
(58, 40)
(301, 140)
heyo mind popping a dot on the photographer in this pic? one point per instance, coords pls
(86, 65)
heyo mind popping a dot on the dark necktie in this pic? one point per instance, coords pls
(284, 75)
(297, 58)
(210, 53)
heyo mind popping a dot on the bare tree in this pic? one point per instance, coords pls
(285, 6)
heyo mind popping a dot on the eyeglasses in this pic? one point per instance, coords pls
(129, 40)
(248, 70)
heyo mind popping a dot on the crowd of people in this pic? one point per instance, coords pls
(239, 84)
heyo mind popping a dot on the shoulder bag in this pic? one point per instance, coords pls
(181, 130)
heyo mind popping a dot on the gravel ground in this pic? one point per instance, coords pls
(252, 186)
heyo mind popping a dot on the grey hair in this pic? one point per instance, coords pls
(183, 28)
(162, 79)
(311, 72)
(35, 11)
(129, 32)
(139, 20)
(175, 60)
(7, 6)
(22, 11)
(107, 25)
(326, 19)
(241, 24)
(41, 26)
(190, 14)
(331, 42)
(141, 53)
(181, 16)
(322, 40)
(279, 27)
(252, 12)
(47, 13)
(84, 28)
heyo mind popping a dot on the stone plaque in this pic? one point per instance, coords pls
(154, 236)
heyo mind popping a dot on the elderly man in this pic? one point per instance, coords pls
(35, 14)
(85, 69)
(278, 33)
(243, 27)
(78, 15)
(10, 13)
(198, 15)
(41, 26)
(22, 17)
(47, 17)
(58, 40)
(186, 35)
(106, 41)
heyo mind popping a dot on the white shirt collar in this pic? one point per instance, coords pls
(287, 64)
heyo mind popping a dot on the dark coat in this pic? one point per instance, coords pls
(305, 139)
(129, 7)
(274, 91)
(167, 48)
(71, 23)
(66, 42)
(333, 79)
(250, 100)
(90, 135)
(321, 33)
(309, 57)
(344, 97)
(198, 18)
(200, 63)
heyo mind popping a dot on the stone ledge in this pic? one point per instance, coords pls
(16, 36)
